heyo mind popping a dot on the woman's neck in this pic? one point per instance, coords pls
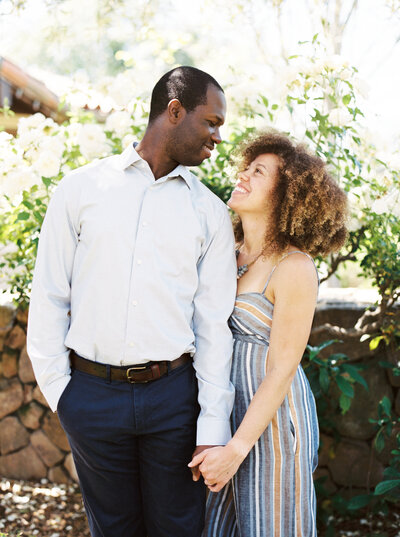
(254, 230)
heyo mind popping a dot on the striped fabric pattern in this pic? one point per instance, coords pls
(272, 494)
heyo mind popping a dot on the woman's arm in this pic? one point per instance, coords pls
(295, 291)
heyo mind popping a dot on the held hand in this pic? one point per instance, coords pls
(195, 467)
(218, 465)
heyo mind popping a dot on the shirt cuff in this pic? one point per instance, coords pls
(53, 391)
(213, 432)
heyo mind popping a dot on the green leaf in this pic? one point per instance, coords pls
(23, 216)
(324, 379)
(38, 216)
(313, 351)
(265, 101)
(357, 502)
(344, 403)
(379, 441)
(353, 372)
(386, 405)
(388, 365)
(345, 386)
(386, 486)
(346, 99)
(27, 204)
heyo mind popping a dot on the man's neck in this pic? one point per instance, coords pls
(151, 149)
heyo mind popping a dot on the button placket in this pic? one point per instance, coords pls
(137, 264)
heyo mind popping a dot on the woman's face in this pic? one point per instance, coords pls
(255, 185)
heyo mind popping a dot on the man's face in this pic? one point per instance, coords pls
(193, 139)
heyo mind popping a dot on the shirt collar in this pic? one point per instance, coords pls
(182, 171)
(129, 156)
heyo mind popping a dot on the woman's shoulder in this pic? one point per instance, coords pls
(296, 267)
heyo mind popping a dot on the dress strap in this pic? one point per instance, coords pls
(281, 259)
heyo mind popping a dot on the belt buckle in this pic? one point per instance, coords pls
(135, 368)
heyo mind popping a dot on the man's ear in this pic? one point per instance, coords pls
(175, 110)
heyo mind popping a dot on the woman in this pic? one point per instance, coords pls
(289, 209)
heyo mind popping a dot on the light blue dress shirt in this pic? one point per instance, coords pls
(130, 269)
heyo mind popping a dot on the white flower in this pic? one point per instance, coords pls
(48, 164)
(119, 123)
(356, 221)
(10, 157)
(29, 137)
(73, 130)
(380, 206)
(361, 86)
(335, 62)
(122, 88)
(128, 140)
(31, 122)
(389, 204)
(49, 126)
(18, 180)
(340, 117)
(345, 74)
(5, 137)
(53, 144)
(92, 141)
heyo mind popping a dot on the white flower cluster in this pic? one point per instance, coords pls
(388, 204)
(120, 124)
(340, 117)
(42, 149)
(318, 70)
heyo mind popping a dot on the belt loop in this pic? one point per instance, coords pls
(108, 373)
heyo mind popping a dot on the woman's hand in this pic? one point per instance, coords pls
(219, 464)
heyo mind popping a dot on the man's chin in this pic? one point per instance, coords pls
(193, 161)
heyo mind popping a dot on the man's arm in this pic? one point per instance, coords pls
(214, 302)
(49, 308)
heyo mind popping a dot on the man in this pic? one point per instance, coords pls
(128, 336)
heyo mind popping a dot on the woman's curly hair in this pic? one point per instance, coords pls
(309, 208)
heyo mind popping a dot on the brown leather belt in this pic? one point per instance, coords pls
(140, 374)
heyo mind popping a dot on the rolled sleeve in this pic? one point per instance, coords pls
(49, 309)
(214, 302)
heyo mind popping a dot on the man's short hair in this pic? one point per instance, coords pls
(187, 84)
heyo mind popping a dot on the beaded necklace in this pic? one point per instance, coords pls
(242, 269)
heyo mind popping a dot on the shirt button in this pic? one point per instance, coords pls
(131, 344)
(134, 302)
(139, 262)
(144, 224)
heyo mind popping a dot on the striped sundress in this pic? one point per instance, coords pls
(272, 494)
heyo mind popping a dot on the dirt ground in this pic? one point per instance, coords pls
(47, 510)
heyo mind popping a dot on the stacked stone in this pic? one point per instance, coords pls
(32, 443)
(350, 464)
(34, 446)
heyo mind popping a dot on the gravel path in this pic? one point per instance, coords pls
(28, 509)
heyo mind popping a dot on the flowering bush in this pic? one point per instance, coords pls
(321, 106)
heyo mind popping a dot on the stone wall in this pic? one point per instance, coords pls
(352, 464)
(33, 444)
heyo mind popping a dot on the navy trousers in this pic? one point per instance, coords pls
(131, 444)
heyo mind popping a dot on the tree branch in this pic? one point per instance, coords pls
(370, 322)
